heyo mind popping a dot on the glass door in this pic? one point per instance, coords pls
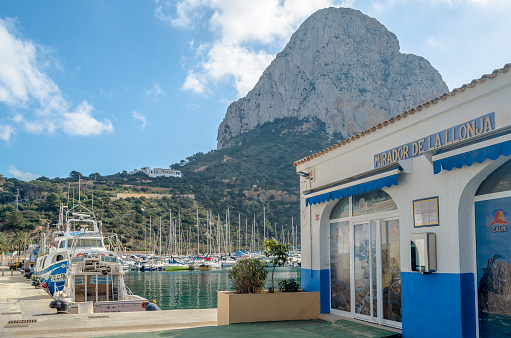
(391, 272)
(340, 267)
(377, 272)
(365, 271)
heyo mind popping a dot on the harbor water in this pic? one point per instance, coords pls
(192, 289)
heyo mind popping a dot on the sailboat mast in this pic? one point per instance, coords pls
(264, 223)
(218, 235)
(292, 234)
(171, 247)
(198, 232)
(226, 242)
(207, 232)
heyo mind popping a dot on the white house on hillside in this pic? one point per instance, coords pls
(157, 172)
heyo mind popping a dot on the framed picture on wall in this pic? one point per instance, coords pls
(425, 212)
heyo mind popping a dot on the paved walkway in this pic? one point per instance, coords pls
(25, 312)
(302, 328)
(19, 302)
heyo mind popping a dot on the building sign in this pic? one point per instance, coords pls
(460, 132)
(425, 212)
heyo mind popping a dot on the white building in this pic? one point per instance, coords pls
(156, 172)
(406, 224)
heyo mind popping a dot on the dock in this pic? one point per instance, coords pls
(25, 312)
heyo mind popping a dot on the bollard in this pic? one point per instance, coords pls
(11, 272)
(3, 272)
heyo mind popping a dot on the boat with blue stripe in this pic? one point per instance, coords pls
(78, 263)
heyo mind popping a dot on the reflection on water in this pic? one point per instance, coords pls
(191, 289)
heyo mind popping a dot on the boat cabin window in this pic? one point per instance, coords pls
(87, 243)
(62, 244)
(60, 258)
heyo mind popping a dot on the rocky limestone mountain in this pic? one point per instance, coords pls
(342, 67)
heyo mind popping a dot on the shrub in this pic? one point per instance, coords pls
(288, 285)
(248, 275)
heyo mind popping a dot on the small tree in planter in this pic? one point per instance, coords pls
(248, 275)
(278, 253)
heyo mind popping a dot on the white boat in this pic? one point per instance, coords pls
(227, 263)
(78, 270)
(216, 265)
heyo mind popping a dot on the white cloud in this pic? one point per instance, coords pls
(139, 117)
(243, 65)
(22, 175)
(238, 26)
(178, 15)
(156, 91)
(24, 86)
(80, 122)
(193, 83)
(432, 42)
(6, 132)
(20, 79)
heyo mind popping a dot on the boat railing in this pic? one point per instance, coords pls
(116, 244)
(128, 290)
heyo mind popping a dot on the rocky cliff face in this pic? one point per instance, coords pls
(495, 289)
(342, 67)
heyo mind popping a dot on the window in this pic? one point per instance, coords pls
(372, 202)
(367, 203)
(341, 209)
(87, 243)
(61, 258)
(498, 181)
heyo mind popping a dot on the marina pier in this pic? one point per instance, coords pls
(26, 313)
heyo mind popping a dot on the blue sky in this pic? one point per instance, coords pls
(107, 86)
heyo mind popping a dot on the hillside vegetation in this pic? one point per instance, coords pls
(254, 173)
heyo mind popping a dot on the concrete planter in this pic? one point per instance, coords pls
(262, 307)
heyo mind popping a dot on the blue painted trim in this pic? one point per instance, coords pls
(318, 280)
(354, 190)
(438, 305)
(468, 305)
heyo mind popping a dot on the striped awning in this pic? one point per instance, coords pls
(468, 158)
(355, 189)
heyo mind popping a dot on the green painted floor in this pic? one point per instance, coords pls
(301, 328)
